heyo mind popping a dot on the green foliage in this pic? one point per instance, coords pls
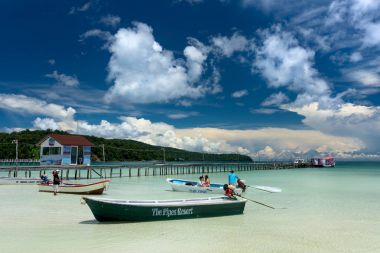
(115, 149)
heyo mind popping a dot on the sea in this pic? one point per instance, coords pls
(319, 210)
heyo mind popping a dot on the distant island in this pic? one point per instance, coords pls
(114, 149)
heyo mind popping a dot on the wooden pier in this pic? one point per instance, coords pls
(112, 171)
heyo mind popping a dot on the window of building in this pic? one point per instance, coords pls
(51, 150)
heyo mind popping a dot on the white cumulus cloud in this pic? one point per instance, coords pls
(64, 79)
(275, 99)
(110, 20)
(227, 46)
(239, 93)
(143, 72)
(366, 77)
(24, 104)
(284, 63)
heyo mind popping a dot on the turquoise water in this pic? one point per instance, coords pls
(328, 210)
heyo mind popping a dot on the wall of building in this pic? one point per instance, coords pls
(64, 156)
(50, 159)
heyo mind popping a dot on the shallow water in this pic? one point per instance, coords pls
(328, 210)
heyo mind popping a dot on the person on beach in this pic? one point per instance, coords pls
(201, 181)
(207, 181)
(56, 181)
(229, 191)
(44, 179)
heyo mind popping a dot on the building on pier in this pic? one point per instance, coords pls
(58, 149)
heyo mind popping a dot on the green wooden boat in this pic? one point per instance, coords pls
(151, 210)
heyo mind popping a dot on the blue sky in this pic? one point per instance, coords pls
(263, 78)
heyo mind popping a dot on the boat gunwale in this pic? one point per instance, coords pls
(64, 185)
(212, 186)
(169, 203)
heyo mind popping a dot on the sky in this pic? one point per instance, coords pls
(266, 78)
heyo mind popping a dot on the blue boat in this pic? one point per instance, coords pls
(182, 185)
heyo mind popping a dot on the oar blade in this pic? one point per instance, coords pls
(268, 188)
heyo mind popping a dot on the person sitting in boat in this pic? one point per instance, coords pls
(207, 182)
(229, 191)
(44, 179)
(232, 178)
(241, 184)
(201, 181)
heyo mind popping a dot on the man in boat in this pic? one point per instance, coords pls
(229, 191)
(201, 181)
(56, 181)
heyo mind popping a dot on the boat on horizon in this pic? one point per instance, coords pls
(65, 187)
(154, 210)
(183, 185)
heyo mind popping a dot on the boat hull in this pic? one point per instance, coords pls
(95, 188)
(184, 186)
(19, 181)
(115, 210)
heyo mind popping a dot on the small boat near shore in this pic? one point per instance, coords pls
(182, 185)
(19, 181)
(93, 188)
(153, 210)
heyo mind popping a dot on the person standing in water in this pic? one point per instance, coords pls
(56, 181)
(232, 178)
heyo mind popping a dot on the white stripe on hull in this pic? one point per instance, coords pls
(22, 181)
(198, 189)
(74, 189)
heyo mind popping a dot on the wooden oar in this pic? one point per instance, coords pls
(257, 202)
(265, 188)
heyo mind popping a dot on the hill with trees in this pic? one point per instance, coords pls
(115, 149)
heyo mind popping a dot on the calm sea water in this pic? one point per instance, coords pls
(328, 210)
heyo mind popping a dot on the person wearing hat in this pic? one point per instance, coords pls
(56, 181)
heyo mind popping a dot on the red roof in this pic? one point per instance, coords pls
(70, 140)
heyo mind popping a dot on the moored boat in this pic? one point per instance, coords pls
(182, 185)
(151, 210)
(328, 161)
(93, 188)
(19, 180)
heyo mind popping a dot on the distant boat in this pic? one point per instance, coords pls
(182, 185)
(152, 210)
(93, 188)
(299, 161)
(19, 180)
(328, 161)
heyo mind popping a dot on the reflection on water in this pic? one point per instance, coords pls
(328, 210)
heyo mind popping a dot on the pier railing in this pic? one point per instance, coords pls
(111, 171)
